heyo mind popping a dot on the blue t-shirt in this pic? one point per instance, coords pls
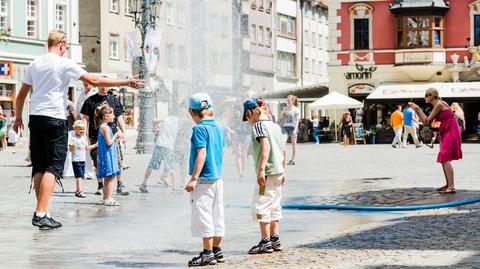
(408, 117)
(207, 134)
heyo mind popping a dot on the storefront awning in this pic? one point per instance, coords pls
(449, 90)
(305, 93)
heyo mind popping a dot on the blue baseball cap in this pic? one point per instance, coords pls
(200, 101)
(247, 105)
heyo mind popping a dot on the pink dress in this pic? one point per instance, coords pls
(450, 137)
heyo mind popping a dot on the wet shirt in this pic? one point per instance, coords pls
(168, 132)
(207, 134)
(91, 104)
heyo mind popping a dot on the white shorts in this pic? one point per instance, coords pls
(266, 206)
(208, 218)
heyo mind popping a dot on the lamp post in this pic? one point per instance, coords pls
(145, 13)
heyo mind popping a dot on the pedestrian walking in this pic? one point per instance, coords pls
(346, 124)
(409, 121)
(359, 112)
(3, 132)
(108, 167)
(163, 151)
(450, 136)
(206, 184)
(269, 154)
(290, 119)
(435, 126)
(12, 135)
(396, 121)
(48, 77)
(78, 146)
(315, 122)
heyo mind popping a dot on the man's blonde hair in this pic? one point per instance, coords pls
(56, 37)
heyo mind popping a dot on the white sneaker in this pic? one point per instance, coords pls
(111, 203)
(99, 192)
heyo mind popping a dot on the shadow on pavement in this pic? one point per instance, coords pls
(452, 232)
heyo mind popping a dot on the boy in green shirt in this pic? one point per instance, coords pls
(269, 156)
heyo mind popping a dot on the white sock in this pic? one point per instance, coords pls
(40, 214)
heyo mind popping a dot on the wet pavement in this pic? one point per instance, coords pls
(153, 230)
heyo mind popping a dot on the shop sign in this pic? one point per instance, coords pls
(6, 69)
(363, 72)
(418, 57)
(360, 89)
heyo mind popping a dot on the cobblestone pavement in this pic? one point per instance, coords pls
(153, 230)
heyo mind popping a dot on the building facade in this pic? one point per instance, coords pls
(389, 52)
(24, 28)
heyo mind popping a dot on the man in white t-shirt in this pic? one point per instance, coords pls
(48, 76)
(359, 115)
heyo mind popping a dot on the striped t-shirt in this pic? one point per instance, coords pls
(273, 132)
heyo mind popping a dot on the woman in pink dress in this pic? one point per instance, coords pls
(450, 135)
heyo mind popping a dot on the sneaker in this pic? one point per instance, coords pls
(219, 256)
(418, 146)
(99, 192)
(80, 194)
(276, 243)
(45, 222)
(262, 247)
(203, 260)
(111, 203)
(143, 188)
(89, 176)
(291, 162)
(393, 146)
(122, 190)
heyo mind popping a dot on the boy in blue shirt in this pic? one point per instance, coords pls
(205, 184)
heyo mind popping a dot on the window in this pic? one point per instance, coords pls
(127, 53)
(170, 13)
(128, 8)
(307, 38)
(286, 25)
(260, 36)
(268, 6)
(476, 30)
(214, 62)
(269, 37)
(31, 18)
(114, 6)
(182, 58)
(254, 4)
(320, 41)
(361, 39)
(314, 39)
(224, 26)
(181, 16)
(170, 55)
(419, 32)
(4, 13)
(253, 34)
(313, 67)
(320, 68)
(286, 64)
(114, 47)
(307, 65)
(260, 5)
(60, 16)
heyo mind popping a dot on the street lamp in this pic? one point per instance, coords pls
(145, 14)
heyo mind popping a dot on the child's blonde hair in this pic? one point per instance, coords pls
(100, 112)
(207, 112)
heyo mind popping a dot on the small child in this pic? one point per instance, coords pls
(107, 152)
(269, 156)
(206, 185)
(78, 145)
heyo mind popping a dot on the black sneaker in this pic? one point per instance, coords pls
(291, 162)
(276, 243)
(219, 256)
(45, 222)
(122, 190)
(203, 260)
(262, 247)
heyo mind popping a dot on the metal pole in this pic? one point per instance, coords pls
(146, 95)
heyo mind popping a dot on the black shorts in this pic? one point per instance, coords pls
(48, 144)
(79, 169)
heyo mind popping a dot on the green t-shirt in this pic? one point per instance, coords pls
(273, 133)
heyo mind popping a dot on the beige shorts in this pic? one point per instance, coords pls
(266, 206)
(208, 218)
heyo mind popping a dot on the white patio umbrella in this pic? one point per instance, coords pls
(335, 100)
